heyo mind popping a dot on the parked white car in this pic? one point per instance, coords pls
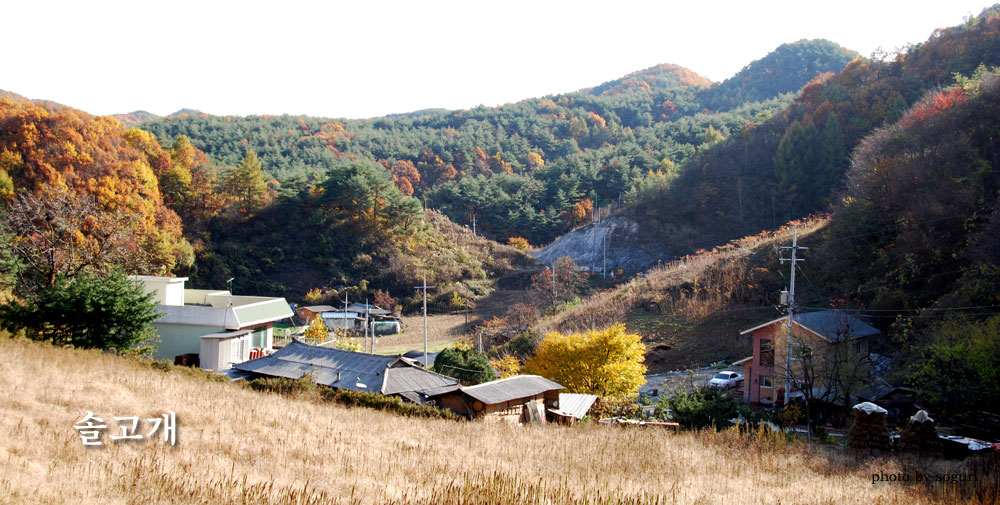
(725, 380)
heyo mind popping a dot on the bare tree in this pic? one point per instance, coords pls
(61, 232)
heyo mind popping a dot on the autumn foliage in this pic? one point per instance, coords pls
(45, 152)
(607, 363)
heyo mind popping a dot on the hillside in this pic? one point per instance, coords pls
(784, 70)
(910, 244)
(529, 169)
(690, 311)
(793, 163)
(238, 446)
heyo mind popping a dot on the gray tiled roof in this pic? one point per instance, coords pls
(346, 369)
(835, 325)
(511, 388)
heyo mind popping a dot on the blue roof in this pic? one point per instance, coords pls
(835, 325)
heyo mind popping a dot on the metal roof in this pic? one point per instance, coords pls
(511, 388)
(418, 356)
(371, 308)
(268, 310)
(226, 334)
(346, 369)
(318, 308)
(406, 377)
(575, 404)
(833, 325)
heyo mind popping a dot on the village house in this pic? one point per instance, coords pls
(337, 368)
(832, 334)
(223, 328)
(521, 399)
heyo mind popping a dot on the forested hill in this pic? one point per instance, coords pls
(536, 168)
(785, 70)
(770, 171)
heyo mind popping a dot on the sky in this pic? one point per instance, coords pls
(367, 58)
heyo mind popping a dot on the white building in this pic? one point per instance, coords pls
(223, 329)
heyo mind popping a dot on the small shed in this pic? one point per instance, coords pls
(341, 320)
(307, 314)
(521, 399)
(572, 407)
(220, 351)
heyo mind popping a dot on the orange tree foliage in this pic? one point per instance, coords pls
(520, 243)
(44, 151)
(578, 213)
(606, 363)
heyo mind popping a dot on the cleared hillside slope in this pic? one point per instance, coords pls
(239, 446)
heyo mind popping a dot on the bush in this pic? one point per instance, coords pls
(701, 408)
(305, 388)
(465, 364)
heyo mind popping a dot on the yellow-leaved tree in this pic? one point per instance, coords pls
(317, 330)
(606, 363)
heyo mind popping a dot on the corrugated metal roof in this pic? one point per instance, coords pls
(511, 388)
(371, 308)
(575, 404)
(346, 369)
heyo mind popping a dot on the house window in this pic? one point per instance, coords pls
(766, 353)
(259, 337)
(765, 381)
(859, 346)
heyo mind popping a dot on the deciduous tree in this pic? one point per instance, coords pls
(606, 363)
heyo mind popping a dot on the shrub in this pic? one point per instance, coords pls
(702, 407)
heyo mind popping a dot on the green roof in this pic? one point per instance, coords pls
(262, 312)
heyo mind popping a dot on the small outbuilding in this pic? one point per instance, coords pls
(521, 399)
(572, 407)
(307, 314)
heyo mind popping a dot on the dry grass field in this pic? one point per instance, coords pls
(238, 446)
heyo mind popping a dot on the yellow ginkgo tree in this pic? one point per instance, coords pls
(606, 363)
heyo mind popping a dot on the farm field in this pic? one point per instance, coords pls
(238, 446)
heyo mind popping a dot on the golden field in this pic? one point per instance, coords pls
(238, 446)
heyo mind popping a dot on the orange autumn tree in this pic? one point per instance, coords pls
(66, 160)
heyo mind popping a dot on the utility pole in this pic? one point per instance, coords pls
(473, 224)
(604, 265)
(425, 287)
(367, 316)
(791, 308)
(555, 299)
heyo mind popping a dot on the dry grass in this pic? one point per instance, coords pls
(238, 446)
(688, 289)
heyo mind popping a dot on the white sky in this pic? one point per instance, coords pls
(363, 58)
